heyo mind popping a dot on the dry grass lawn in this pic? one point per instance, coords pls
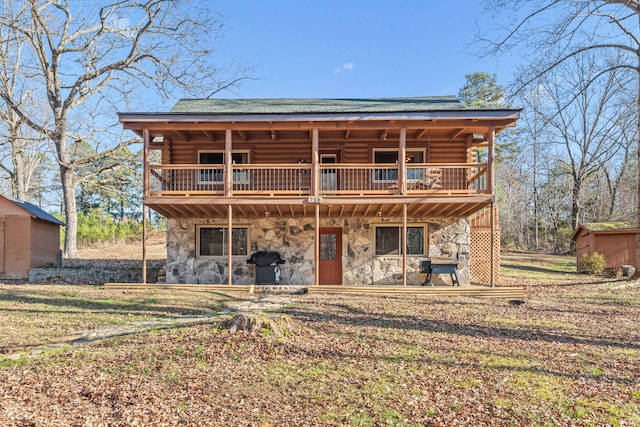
(568, 356)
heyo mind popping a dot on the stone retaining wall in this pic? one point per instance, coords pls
(92, 275)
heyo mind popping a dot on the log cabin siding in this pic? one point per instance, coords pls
(289, 152)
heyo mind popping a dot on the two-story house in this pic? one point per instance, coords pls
(348, 191)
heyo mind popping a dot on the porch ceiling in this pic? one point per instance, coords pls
(452, 130)
(383, 207)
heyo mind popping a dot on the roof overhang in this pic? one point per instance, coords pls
(381, 207)
(510, 115)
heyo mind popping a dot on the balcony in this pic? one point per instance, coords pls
(341, 180)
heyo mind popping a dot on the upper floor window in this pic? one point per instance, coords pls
(218, 158)
(391, 156)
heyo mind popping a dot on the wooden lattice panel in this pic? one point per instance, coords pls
(480, 262)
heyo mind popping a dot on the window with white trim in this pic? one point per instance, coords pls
(217, 158)
(212, 241)
(391, 156)
(389, 240)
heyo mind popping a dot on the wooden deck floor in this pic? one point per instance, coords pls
(475, 291)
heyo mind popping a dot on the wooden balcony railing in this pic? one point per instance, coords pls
(333, 179)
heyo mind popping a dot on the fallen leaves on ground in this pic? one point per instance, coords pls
(568, 356)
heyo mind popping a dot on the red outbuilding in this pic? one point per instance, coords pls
(29, 237)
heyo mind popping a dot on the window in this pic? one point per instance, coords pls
(416, 174)
(389, 240)
(391, 156)
(390, 174)
(212, 241)
(217, 158)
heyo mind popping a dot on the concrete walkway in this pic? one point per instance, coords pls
(250, 305)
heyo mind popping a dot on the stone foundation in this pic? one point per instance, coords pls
(294, 239)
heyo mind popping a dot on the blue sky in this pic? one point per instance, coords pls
(357, 48)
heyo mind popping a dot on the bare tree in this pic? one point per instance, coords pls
(23, 158)
(90, 57)
(553, 31)
(22, 150)
(583, 120)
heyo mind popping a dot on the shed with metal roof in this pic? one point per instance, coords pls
(29, 238)
(615, 240)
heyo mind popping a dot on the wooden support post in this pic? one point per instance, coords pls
(493, 237)
(315, 163)
(491, 161)
(230, 245)
(146, 139)
(228, 164)
(402, 162)
(404, 244)
(144, 243)
(490, 190)
(317, 246)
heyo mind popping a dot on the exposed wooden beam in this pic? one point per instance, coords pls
(242, 134)
(218, 210)
(456, 133)
(415, 210)
(241, 209)
(443, 208)
(184, 135)
(201, 211)
(470, 209)
(420, 133)
(394, 207)
(192, 210)
(209, 135)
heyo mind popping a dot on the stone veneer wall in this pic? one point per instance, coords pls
(294, 238)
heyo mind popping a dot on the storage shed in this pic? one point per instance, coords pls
(615, 240)
(29, 237)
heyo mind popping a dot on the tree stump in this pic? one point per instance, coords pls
(628, 270)
(267, 324)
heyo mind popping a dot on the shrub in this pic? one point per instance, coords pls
(96, 227)
(594, 263)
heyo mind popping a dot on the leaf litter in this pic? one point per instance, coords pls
(568, 356)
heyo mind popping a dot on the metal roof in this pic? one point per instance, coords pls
(316, 105)
(36, 211)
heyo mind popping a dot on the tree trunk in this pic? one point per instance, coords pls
(19, 189)
(638, 159)
(70, 213)
(575, 204)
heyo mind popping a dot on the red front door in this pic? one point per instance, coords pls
(330, 263)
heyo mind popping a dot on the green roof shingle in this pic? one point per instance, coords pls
(317, 106)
